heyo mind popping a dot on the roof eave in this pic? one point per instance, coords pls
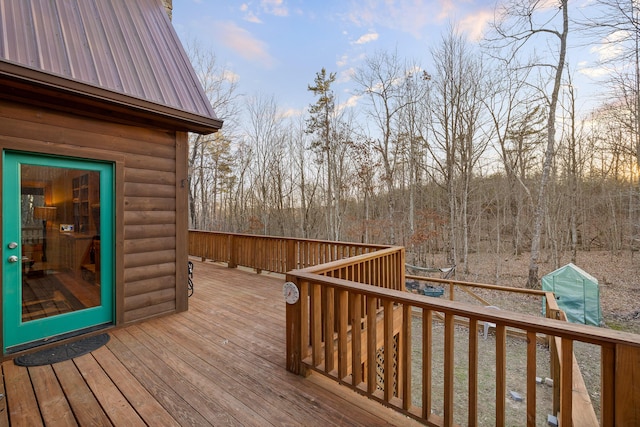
(182, 120)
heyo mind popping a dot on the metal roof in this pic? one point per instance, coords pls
(118, 51)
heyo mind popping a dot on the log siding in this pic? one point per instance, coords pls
(148, 191)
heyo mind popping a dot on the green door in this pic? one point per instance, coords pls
(57, 228)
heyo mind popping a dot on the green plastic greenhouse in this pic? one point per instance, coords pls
(577, 293)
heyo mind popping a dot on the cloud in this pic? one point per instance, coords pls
(269, 7)
(345, 75)
(594, 72)
(447, 9)
(366, 38)
(548, 5)
(275, 7)
(230, 76)
(250, 17)
(351, 102)
(416, 17)
(344, 60)
(213, 79)
(411, 16)
(475, 24)
(243, 43)
(292, 112)
(610, 47)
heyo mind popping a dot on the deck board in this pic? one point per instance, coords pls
(4, 414)
(21, 399)
(115, 405)
(220, 363)
(83, 402)
(149, 409)
(53, 404)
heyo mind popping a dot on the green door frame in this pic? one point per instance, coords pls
(17, 334)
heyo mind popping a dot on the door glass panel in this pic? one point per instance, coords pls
(60, 233)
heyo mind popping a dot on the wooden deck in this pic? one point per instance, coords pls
(220, 363)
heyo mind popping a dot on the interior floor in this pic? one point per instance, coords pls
(50, 292)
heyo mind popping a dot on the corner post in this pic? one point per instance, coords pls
(182, 221)
(293, 328)
(626, 390)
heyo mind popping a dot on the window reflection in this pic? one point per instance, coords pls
(60, 232)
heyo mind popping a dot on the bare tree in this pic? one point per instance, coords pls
(206, 152)
(573, 168)
(516, 117)
(518, 27)
(321, 123)
(237, 201)
(617, 29)
(413, 126)
(382, 82)
(266, 138)
(306, 178)
(365, 164)
(456, 144)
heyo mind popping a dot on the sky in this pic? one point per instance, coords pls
(276, 47)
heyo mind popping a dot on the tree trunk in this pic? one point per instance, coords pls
(539, 212)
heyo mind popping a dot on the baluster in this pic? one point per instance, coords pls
(388, 350)
(449, 366)
(371, 344)
(531, 378)
(343, 316)
(473, 373)
(316, 324)
(356, 340)
(427, 345)
(329, 327)
(405, 366)
(501, 374)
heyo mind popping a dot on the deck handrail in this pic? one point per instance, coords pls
(271, 253)
(344, 300)
(321, 333)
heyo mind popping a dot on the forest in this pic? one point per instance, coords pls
(478, 147)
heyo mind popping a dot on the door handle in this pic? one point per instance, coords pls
(13, 258)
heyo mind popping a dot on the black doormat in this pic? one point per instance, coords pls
(63, 352)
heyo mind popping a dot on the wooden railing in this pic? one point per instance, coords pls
(583, 413)
(268, 253)
(364, 337)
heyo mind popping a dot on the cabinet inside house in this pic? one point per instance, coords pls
(84, 189)
(83, 245)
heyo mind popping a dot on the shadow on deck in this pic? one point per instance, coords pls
(220, 363)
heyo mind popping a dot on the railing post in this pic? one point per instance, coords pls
(626, 388)
(232, 263)
(291, 256)
(202, 246)
(293, 327)
(608, 384)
